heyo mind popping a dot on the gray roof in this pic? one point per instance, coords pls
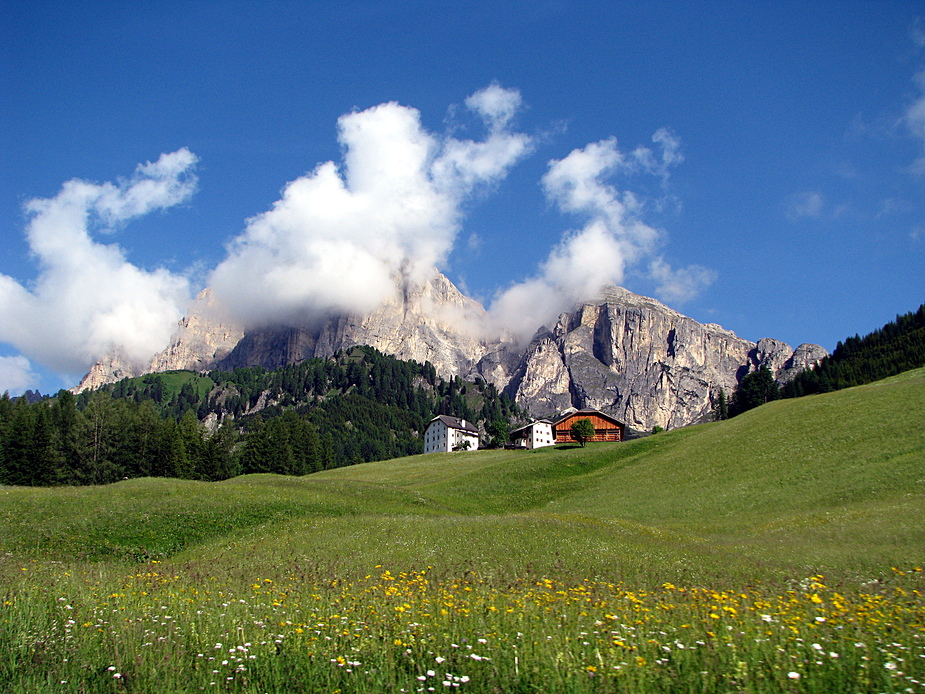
(456, 423)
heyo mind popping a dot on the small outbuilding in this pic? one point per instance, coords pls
(534, 435)
(606, 428)
(445, 434)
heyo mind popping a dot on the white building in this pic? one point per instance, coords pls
(445, 434)
(535, 435)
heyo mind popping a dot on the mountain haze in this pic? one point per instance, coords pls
(625, 354)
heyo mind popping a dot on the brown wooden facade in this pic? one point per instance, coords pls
(606, 428)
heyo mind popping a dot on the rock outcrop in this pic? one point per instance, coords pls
(111, 368)
(203, 337)
(642, 362)
(624, 354)
(433, 322)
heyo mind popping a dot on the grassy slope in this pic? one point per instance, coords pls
(175, 380)
(831, 483)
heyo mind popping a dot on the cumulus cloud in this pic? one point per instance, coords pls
(88, 299)
(16, 375)
(343, 238)
(613, 239)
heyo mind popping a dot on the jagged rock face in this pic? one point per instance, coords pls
(806, 356)
(640, 361)
(543, 380)
(771, 354)
(433, 322)
(782, 360)
(624, 354)
(111, 368)
(202, 338)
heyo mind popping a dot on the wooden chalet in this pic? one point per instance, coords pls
(606, 428)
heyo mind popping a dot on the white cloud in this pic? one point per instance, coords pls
(660, 164)
(807, 204)
(613, 239)
(496, 105)
(344, 238)
(16, 375)
(680, 286)
(88, 299)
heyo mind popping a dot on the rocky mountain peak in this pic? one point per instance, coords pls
(642, 362)
(625, 354)
(202, 338)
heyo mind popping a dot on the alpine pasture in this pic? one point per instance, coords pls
(780, 551)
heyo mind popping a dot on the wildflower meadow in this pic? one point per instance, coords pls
(720, 558)
(173, 628)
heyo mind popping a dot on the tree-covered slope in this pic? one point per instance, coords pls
(896, 347)
(358, 406)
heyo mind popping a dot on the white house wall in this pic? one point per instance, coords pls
(541, 435)
(439, 438)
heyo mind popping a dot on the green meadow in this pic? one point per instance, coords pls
(780, 551)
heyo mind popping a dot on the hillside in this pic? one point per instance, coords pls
(357, 406)
(777, 552)
(844, 467)
(896, 347)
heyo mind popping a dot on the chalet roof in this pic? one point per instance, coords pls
(455, 423)
(578, 414)
(527, 426)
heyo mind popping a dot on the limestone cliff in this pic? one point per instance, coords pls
(432, 322)
(111, 368)
(625, 354)
(644, 363)
(203, 337)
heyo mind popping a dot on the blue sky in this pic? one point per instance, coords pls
(783, 195)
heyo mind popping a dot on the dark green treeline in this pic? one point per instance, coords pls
(896, 347)
(358, 406)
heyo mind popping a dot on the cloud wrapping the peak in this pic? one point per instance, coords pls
(88, 299)
(613, 238)
(343, 239)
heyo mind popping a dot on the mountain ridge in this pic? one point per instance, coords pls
(623, 353)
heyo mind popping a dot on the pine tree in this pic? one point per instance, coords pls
(754, 389)
(720, 407)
